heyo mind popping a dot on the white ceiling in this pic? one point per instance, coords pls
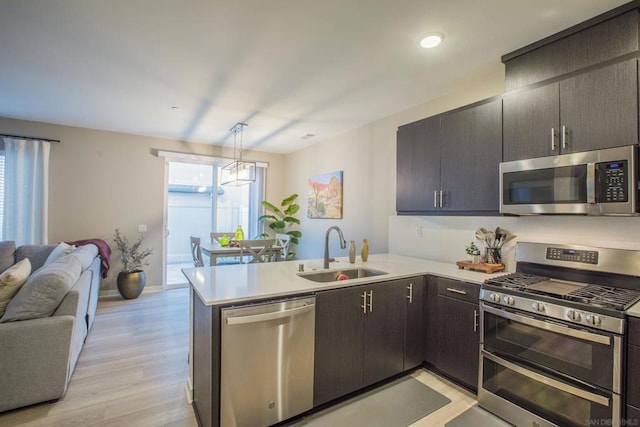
(286, 67)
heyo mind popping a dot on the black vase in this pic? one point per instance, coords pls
(130, 285)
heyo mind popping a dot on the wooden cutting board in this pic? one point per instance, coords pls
(484, 267)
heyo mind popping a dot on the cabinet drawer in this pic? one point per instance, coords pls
(633, 375)
(634, 331)
(459, 290)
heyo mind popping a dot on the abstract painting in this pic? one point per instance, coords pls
(325, 196)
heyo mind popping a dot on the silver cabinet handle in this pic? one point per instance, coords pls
(564, 137)
(410, 296)
(370, 301)
(364, 302)
(475, 320)
(435, 198)
(457, 291)
(441, 198)
(553, 139)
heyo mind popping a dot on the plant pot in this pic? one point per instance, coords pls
(130, 285)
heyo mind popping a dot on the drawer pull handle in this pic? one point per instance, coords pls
(410, 296)
(457, 291)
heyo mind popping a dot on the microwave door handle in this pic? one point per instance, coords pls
(591, 183)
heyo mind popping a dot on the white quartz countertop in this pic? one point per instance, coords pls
(634, 310)
(229, 284)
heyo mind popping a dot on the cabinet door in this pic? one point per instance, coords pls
(471, 152)
(432, 321)
(633, 375)
(384, 331)
(458, 340)
(415, 324)
(529, 118)
(418, 165)
(600, 108)
(339, 344)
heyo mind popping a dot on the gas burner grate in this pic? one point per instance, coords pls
(515, 280)
(602, 296)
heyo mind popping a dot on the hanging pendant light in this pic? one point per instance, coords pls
(238, 172)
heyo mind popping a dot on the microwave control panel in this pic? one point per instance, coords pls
(613, 182)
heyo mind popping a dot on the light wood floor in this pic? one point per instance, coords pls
(133, 368)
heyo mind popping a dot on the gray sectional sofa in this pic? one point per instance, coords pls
(46, 322)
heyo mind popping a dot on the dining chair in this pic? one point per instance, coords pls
(283, 240)
(258, 250)
(196, 252)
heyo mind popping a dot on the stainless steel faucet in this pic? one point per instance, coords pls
(343, 244)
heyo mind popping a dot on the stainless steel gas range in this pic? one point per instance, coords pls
(552, 335)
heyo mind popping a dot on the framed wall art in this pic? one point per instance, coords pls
(325, 196)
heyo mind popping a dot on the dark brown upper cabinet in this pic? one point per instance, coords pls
(593, 110)
(603, 38)
(448, 164)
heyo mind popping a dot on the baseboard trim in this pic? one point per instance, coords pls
(107, 293)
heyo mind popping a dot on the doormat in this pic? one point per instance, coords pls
(477, 417)
(397, 404)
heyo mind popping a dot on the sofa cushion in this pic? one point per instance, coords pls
(85, 254)
(44, 290)
(11, 280)
(7, 254)
(60, 250)
(37, 254)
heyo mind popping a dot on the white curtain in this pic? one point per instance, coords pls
(26, 190)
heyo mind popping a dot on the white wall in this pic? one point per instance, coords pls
(101, 180)
(367, 156)
(444, 238)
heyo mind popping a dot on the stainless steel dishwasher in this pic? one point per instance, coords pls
(267, 362)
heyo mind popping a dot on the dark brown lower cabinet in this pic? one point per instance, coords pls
(361, 336)
(416, 322)
(458, 338)
(633, 373)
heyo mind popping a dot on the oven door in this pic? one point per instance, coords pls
(524, 396)
(594, 358)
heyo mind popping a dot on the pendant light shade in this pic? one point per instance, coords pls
(238, 172)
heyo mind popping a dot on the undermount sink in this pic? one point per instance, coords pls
(337, 275)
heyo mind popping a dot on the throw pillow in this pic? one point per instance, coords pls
(11, 280)
(7, 254)
(61, 250)
(44, 290)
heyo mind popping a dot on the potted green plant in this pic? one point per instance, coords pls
(473, 253)
(280, 220)
(132, 278)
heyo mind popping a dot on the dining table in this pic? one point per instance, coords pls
(214, 250)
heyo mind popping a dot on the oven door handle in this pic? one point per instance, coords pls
(564, 330)
(591, 397)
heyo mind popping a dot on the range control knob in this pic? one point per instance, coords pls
(495, 297)
(594, 319)
(538, 306)
(574, 315)
(508, 299)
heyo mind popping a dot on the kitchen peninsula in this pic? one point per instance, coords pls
(350, 307)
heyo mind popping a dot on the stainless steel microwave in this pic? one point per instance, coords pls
(600, 182)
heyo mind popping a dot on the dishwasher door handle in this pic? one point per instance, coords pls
(255, 318)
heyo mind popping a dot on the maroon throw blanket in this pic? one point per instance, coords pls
(103, 250)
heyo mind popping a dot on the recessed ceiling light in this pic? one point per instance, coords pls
(308, 136)
(431, 40)
(174, 107)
